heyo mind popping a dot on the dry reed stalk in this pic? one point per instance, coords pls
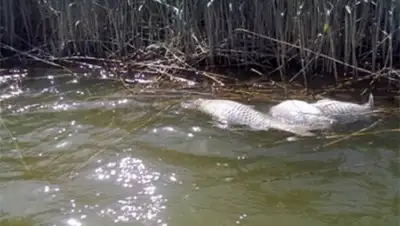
(359, 37)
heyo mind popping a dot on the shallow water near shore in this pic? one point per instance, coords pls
(86, 151)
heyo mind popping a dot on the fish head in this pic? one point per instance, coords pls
(192, 104)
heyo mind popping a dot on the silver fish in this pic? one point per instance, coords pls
(345, 112)
(297, 112)
(234, 113)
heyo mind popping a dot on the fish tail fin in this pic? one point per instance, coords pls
(370, 102)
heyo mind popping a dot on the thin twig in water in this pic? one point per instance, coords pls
(357, 134)
(321, 171)
(348, 136)
(140, 125)
(16, 146)
(34, 57)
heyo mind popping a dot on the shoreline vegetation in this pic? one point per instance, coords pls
(320, 46)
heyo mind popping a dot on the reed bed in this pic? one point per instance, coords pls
(331, 37)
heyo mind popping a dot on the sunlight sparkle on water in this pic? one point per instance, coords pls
(196, 129)
(123, 101)
(73, 222)
(173, 178)
(144, 203)
(11, 94)
(60, 107)
(62, 144)
(49, 189)
(241, 217)
(169, 128)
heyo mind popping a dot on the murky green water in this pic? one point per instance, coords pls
(85, 153)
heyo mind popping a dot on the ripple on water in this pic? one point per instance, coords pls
(28, 198)
(196, 140)
(142, 163)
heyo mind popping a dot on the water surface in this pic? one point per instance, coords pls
(84, 151)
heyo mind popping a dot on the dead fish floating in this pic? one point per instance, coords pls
(346, 112)
(298, 112)
(234, 113)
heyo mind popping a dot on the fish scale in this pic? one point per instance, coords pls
(299, 112)
(233, 113)
(345, 112)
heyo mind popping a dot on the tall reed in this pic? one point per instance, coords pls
(360, 33)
